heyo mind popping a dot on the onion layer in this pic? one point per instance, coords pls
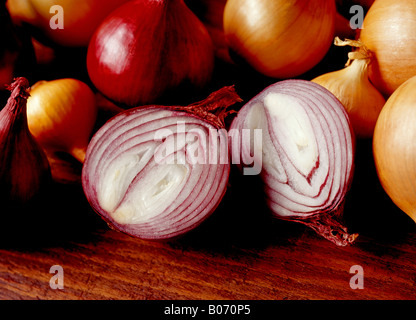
(308, 154)
(157, 172)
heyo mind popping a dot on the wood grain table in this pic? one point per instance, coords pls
(239, 253)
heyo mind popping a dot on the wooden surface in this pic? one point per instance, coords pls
(238, 253)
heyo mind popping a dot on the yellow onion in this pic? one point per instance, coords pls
(389, 32)
(394, 147)
(280, 38)
(61, 115)
(362, 101)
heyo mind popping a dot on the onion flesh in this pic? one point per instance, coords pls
(157, 172)
(308, 154)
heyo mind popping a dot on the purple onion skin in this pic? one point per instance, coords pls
(308, 151)
(120, 143)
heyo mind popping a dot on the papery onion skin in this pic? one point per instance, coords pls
(362, 101)
(388, 31)
(394, 147)
(135, 192)
(280, 39)
(146, 48)
(25, 170)
(309, 187)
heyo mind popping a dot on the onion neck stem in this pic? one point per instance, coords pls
(213, 109)
(328, 226)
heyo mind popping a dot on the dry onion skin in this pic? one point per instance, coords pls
(280, 38)
(141, 174)
(394, 147)
(25, 169)
(307, 154)
(389, 32)
(362, 101)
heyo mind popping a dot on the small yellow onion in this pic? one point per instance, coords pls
(394, 147)
(61, 115)
(362, 101)
(280, 38)
(389, 32)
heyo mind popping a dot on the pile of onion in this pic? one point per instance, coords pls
(388, 32)
(157, 172)
(280, 38)
(307, 154)
(394, 147)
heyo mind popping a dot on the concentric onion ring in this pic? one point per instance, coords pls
(156, 173)
(308, 153)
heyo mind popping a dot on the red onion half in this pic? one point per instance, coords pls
(307, 154)
(157, 172)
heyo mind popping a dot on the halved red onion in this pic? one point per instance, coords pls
(307, 154)
(157, 172)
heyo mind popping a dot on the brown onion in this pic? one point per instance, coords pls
(352, 87)
(389, 32)
(280, 38)
(394, 147)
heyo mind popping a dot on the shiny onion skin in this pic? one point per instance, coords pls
(280, 38)
(389, 32)
(394, 147)
(308, 154)
(148, 47)
(140, 174)
(61, 115)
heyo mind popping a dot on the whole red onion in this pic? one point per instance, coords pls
(157, 172)
(307, 154)
(147, 48)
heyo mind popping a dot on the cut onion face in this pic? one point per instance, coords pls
(307, 154)
(156, 173)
